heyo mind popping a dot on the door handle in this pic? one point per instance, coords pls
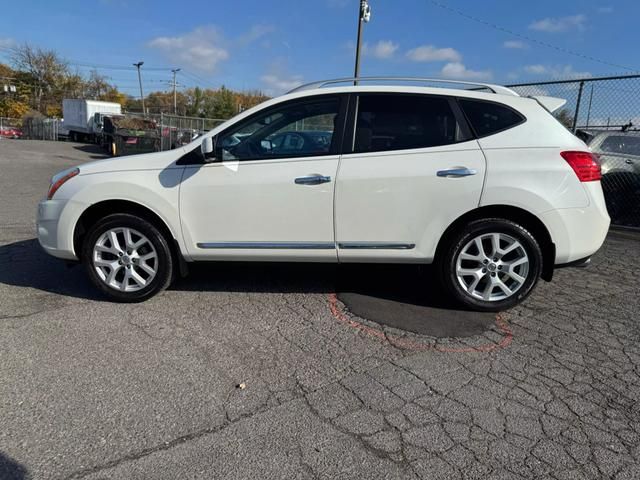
(313, 179)
(456, 172)
(628, 161)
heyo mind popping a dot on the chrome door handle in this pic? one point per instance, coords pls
(314, 179)
(456, 172)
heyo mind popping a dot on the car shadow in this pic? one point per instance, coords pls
(402, 296)
(96, 152)
(11, 470)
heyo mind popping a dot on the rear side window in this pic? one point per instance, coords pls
(488, 118)
(400, 122)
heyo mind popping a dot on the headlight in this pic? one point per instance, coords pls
(59, 179)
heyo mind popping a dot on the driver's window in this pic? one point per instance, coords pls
(301, 129)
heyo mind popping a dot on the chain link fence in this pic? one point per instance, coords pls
(605, 113)
(40, 128)
(176, 131)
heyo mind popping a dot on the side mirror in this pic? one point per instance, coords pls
(208, 149)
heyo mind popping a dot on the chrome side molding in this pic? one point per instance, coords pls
(306, 245)
(270, 245)
(375, 246)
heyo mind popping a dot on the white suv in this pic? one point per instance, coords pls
(478, 180)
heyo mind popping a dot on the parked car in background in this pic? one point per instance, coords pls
(10, 132)
(619, 156)
(302, 142)
(485, 184)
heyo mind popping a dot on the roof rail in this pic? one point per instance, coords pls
(499, 89)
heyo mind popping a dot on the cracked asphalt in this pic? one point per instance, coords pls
(96, 390)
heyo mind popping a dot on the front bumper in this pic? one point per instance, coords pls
(54, 226)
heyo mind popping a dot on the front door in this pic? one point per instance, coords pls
(270, 195)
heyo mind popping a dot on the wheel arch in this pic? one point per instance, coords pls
(523, 217)
(107, 207)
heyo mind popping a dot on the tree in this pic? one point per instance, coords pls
(13, 108)
(13, 104)
(45, 69)
(224, 104)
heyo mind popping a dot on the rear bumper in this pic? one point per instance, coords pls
(578, 233)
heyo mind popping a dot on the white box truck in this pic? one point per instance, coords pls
(83, 118)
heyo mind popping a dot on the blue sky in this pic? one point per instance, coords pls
(274, 45)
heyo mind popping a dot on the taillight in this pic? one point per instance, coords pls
(585, 165)
(58, 180)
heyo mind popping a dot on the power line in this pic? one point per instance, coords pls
(195, 78)
(526, 37)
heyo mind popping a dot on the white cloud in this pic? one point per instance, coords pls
(277, 83)
(429, 53)
(201, 49)
(7, 42)
(560, 24)
(535, 69)
(556, 71)
(458, 70)
(384, 49)
(516, 44)
(255, 33)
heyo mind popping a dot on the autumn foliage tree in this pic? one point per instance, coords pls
(44, 79)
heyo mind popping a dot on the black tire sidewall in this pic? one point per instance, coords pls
(164, 273)
(479, 227)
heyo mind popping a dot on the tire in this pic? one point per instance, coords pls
(481, 279)
(142, 259)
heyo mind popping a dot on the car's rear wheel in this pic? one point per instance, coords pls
(491, 264)
(127, 258)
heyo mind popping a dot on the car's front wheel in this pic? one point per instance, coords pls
(491, 264)
(127, 258)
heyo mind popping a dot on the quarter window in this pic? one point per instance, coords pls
(399, 122)
(488, 118)
(296, 130)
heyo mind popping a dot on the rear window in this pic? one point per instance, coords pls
(488, 118)
(398, 122)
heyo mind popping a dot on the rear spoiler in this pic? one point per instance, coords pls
(550, 103)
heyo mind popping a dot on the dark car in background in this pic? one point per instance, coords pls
(619, 153)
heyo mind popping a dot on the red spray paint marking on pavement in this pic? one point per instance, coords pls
(413, 345)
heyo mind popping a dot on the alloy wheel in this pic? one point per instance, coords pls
(125, 259)
(492, 266)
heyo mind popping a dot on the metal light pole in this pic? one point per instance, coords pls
(364, 15)
(138, 65)
(175, 101)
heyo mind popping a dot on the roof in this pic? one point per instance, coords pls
(387, 81)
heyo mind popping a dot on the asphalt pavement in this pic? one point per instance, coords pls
(306, 371)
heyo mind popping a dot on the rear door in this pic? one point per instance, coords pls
(410, 168)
